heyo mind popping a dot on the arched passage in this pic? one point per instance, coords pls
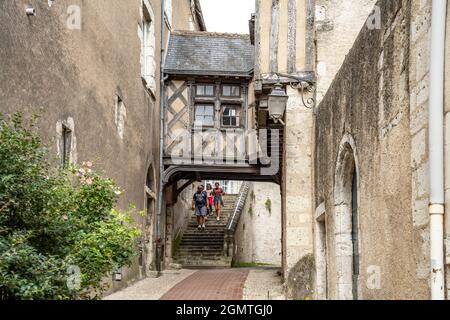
(346, 220)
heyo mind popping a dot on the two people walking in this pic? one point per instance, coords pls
(204, 201)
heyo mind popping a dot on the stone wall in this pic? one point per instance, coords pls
(370, 119)
(297, 185)
(182, 212)
(87, 76)
(258, 234)
(337, 26)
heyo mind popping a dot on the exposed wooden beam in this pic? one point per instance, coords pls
(309, 41)
(258, 37)
(274, 36)
(292, 36)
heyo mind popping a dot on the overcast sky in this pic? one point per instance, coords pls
(227, 15)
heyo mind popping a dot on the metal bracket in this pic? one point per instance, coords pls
(302, 83)
(304, 86)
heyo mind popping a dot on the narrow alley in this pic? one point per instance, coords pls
(224, 150)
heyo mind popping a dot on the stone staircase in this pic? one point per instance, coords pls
(205, 248)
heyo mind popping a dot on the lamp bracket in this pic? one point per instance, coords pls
(305, 86)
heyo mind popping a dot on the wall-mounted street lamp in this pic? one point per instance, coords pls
(277, 99)
(277, 103)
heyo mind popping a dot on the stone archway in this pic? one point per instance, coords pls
(345, 220)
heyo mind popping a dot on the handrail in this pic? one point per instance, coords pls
(242, 192)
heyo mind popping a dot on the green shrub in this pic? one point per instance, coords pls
(59, 232)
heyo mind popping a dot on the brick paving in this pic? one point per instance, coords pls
(151, 288)
(222, 284)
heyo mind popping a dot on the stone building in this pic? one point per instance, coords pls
(284, 54)
(371, 163)
(355, 190)
(91, 70)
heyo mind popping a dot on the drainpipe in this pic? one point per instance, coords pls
(161, 142)
(436, 148)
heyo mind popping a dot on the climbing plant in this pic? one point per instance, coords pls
(59, 232)
(268, 205)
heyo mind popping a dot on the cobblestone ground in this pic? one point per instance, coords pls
(223, 284)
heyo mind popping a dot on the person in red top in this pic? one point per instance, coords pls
(209, 192)
(218, 200)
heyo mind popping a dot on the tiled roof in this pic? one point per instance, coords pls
(207, 53)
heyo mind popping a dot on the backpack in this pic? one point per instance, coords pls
(201, 199)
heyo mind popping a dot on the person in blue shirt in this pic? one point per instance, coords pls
(200, 205)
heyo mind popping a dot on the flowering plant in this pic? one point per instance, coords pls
(60, 233)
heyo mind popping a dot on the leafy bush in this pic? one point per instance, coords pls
(59, 232)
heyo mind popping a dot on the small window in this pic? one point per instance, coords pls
(231, 116)
(205, 90)
(204, 115)
(66, 146)
(231, 91)
(148, 45)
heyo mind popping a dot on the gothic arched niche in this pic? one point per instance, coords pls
(346, 221)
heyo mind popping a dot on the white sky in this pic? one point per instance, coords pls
(227, 15)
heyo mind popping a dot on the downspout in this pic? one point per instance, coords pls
(161, 142)
(436, 148)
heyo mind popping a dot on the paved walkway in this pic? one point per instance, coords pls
(227, 284)
(215, 284)
(151, 288)
(263, 284)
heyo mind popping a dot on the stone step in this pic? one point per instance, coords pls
(183, 249)
(204, 247)
(195, 231)
(201, 242)
(202, 250)
(207, 228)
(196, 257)
(210, 222)
(205, 264)
(204, 237)
(204, 232)
(199, 255)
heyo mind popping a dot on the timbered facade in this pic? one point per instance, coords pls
(211, 108)
(210, 126)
